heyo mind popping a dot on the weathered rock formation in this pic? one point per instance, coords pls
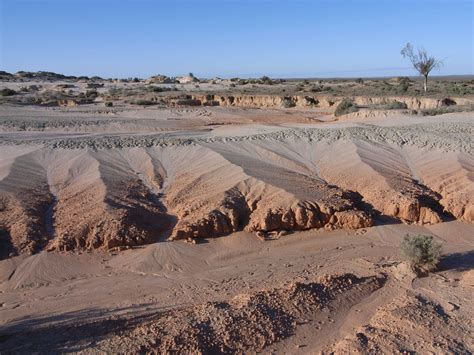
(322, 101)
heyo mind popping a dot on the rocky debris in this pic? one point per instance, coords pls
(409, 209)
(248, 322)
(232, 216)
(238, 210)
(460, 209)
(424, 317)
(307, 215)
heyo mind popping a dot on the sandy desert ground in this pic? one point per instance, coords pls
(217, 221)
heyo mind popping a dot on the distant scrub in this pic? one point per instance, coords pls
(91, 94)
(447, 109)
(346, 106)
(288, 103)
(155, 89)
(7, 92)
(396, 105)
(143, 102)
(320, 88)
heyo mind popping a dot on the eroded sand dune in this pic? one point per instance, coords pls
(295, 179)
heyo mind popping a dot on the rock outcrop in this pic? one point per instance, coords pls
(321, 101)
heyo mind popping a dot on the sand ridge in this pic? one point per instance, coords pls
(123, 190)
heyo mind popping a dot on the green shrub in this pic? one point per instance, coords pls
(266, 80)
(7, 92)
(316, 88)
(346, 106)
(155, 89)
(403, 86)
(447, 109)
(142, 102)
(422, 251)
(108, 104)
(91, 94)
(396, 105)
(288, 103)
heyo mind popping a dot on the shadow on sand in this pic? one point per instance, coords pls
(71, 331)
(457, 262)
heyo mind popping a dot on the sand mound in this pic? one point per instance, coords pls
(223, 188)
(80, 200)
(452, 176)
(25, 200)
(248, 322)
(79, 193)
(45, 268)
(114, 199)
(424, 317)
(384, 176)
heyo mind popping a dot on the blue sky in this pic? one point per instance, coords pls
(293, 38)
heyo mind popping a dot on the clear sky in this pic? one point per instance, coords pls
(292, 38)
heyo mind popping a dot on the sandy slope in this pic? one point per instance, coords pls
(294, 179)
(111, 302)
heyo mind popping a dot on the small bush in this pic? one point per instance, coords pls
(316, 88)
(266, 80)
(108, 104)
(142, 102)
(91, 94)
(311, 101)
(396, 105)
(447, 109)
(403, 86)
(346, 106)
(447, 102)
(7, 92)
(155, 89)
(288, 103)
(188, 102)
(422, 251)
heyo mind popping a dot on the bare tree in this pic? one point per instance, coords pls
(421, 61)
